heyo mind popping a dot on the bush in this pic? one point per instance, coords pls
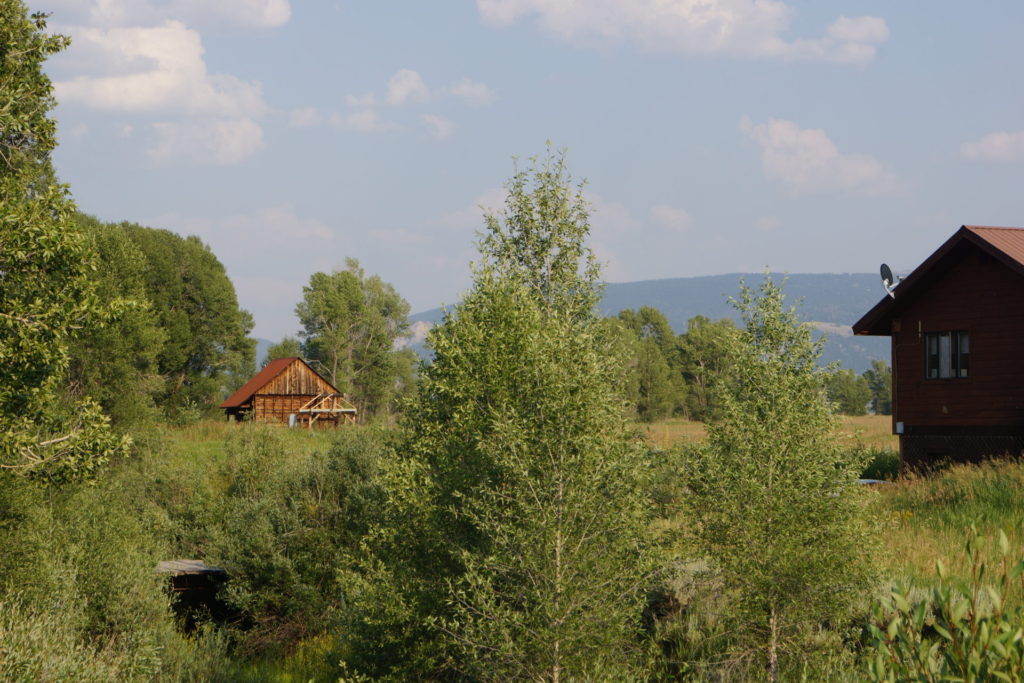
(79, 597)
(961, 631)
(286, 528)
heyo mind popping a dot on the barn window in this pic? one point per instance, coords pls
(947, 355)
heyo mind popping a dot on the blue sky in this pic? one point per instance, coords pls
(716, 136)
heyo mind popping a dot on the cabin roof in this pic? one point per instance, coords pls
(264, 377)
(1004, 244)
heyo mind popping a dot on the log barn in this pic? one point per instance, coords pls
(289, 392)
(957, 329)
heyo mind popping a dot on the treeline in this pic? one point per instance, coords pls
(679, 375)
(173, 340)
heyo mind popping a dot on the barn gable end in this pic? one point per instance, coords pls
(289, 387)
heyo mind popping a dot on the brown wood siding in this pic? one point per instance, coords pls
(296, 379)
(985, 298)
(277, 407)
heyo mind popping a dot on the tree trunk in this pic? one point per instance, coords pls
(773, 646)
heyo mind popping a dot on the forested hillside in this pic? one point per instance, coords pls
(835, 300)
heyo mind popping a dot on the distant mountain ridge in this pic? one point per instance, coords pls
(832, 301)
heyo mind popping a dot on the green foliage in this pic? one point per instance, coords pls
(961, 632)
(350, 323)
(774, 502)
(117, 363)
(289, 347)
(287, 528)
(46, 295)
(659, 384)
(705, 363)
(79, 597)
(513, 545)
(879, 379)
(207, 351)
(849, 392)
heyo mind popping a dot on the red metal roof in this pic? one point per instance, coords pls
(1010, 241)
(263, 377)
(1004, 244)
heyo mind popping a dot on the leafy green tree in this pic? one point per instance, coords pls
(849, 392)
(45, 291)
(208, 350)
(774, 501)
(879, 379)
(659, 382)
(117, 363)
(515, 543)
(289, 347)
(705, 363)
(350, 322)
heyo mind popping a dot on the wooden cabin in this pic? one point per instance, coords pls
(957, 329)
(289, 392)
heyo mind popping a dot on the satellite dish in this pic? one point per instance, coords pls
(888, 280)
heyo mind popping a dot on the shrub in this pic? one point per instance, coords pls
(960, 632)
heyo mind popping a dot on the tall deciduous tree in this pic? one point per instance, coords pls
(660, 388)
(879, 379)
(774, 500)
(117, 363)
(523, 494)
(288, 347)
(350, 322)
(45, 291)
(849, 392)
(705, 363)
(207, 351)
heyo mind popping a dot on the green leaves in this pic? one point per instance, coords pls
(773, 502)
(46, 296)
(350, 322)
(960, 632)
(516, 538)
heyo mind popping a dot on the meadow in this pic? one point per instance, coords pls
(284, 510)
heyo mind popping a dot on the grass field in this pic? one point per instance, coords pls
(866, 431)
(924, 519)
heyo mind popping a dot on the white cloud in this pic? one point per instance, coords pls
(418, 332)
(489, 201)
(217, 141)
(439, 126)
(158, 69)
(613, 268)
(671, 218)
(362, 121)
(472, 92)
(267, 255)
(609, 219)
(744, 28)
(767, 223)
(806, 161)
(1000, 146)
(242, 13)
(367, 100)
(304, 117)
(405, 87)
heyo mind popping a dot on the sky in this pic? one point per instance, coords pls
(714, 136)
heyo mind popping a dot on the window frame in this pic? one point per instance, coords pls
(947, 351)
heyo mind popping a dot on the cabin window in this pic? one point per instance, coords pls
(947, 355)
